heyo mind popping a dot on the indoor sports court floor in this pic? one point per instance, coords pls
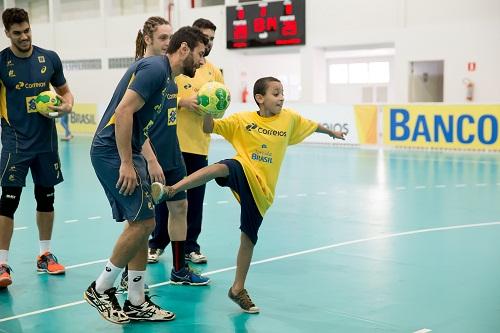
(357, 240)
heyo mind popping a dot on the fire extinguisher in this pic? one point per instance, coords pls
(244, 94)
(469, 90)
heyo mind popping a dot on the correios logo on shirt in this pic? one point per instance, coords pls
(254, 127)
(26, 85)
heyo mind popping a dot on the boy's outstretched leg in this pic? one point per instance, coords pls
(237, 293)
(161, 192)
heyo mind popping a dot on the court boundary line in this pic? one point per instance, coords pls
(258, 262)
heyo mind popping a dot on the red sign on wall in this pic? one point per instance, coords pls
(471, 66)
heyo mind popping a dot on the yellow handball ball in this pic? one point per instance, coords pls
(46, 99)
(214, 99)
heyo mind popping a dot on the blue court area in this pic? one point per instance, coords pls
(357, 240)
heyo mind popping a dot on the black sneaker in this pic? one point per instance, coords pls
(244, 301)
(147, 311)
(106, 304)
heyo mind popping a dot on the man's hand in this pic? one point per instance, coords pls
(127, 182)
(156, 172)
(190, 103)
(65, 107)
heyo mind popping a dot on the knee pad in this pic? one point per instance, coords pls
(44, 198)
(9, 201)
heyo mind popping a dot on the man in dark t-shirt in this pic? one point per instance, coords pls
(29, 138)
(141, 95)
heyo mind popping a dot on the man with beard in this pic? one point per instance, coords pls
(194, 145)
(146, 90)
(29, 138)
(165, 165)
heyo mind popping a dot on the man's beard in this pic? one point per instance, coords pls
(189, 68)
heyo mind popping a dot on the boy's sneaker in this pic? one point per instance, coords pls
(106, 304)
(158, 192)
(244, 301)
(154, 255)
(196, 257)
(5, 279)
(186, 276)
(47, 262)
(147, 311)
(123, 287)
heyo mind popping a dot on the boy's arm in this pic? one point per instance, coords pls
(333, 134)
(208, 124)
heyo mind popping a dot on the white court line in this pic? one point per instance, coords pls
(481, 184)
(321, 193)
(423, 330)
(281, 196)
(70, 221)
(400, 188)
(302, 194)
(94, 217)
(21, 228)
(440, 186)
(222, 202)
(420, 187)
(461, 185)
(294, 254)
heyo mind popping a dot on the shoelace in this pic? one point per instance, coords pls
(245, 299)
(112, 298)
(5, 269)
(51, 259)
(150, 302)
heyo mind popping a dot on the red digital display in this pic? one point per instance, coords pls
(266, 24)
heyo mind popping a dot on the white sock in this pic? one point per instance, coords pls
(44, 246)
(107, 278)
(136, 287)
(4, 256)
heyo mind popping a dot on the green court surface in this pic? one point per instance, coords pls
(358, 240)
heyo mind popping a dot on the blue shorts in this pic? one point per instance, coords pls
(45, 168)
(250, 218)
(136, 207)
(173, 176)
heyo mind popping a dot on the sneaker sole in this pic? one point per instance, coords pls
(4, 283)
(107, 319)
(146, 319)
(186, 283)
(153, 261)
(156, 192)
(51, 273)
(125, 291)
(202, 261)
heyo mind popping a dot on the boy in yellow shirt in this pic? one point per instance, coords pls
(260, 139)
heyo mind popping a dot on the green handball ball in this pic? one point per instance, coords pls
(46, 99)
(214, 99)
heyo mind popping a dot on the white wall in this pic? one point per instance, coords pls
(456, 31)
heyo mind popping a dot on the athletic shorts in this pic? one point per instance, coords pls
(173, 176)
(136, 207)
(250, 218)
(45, 168)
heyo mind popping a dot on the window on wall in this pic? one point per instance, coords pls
(132, 7)
(205, 3)
(79, 9)
(359, 72)
(38, 10)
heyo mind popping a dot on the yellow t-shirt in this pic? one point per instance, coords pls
(192, 139)
(260, 145)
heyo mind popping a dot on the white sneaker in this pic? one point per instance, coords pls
(147, 311)
(196, 258)
(154, 255)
